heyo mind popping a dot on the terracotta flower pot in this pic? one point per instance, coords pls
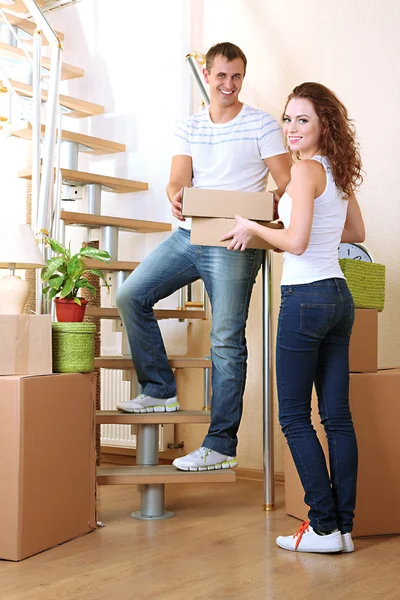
(68, 311)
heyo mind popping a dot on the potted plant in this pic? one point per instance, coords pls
(66, 275)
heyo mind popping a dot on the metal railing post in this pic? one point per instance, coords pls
(268, 437)
(36, 124)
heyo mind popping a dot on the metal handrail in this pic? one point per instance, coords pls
(194, 59)
(46, 195)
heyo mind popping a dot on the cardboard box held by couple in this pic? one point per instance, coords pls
(213, 214)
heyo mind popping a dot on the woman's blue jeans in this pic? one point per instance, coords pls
(312, 346)
(229, 278)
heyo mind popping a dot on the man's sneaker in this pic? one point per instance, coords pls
(306, 540)
(204, 459)
(348, 545)
(147, 404)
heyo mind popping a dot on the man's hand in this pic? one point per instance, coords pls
(240, 235)
(176, 206)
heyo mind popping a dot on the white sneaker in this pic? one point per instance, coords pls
(348, 545)
(204, 459)
(306, 540)
(147, 404)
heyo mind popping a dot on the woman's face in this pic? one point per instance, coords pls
(302, 127)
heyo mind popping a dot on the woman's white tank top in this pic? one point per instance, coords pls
(320, 260)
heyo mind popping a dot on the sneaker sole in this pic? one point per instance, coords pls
(224, 465)
(333, 550)
(151, 409)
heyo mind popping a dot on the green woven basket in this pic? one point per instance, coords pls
(366, 282)
(73, 347)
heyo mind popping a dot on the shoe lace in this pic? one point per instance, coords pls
(304, 527)
(201, 452)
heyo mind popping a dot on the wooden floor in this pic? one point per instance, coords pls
(220, 545)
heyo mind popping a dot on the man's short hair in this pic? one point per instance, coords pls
(228, 51)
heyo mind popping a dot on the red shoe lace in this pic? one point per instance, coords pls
(299, 533)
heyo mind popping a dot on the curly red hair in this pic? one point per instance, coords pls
(338, 141)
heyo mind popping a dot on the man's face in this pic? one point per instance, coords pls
(225, 79)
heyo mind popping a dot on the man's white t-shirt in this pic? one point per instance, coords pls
(229, 156)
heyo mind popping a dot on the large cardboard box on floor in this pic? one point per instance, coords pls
(363, 355)
(197, 202)
(375, 406)
(47, 461)
(208, 232)
(25, 347)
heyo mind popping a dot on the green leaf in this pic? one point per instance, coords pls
(89, 252)
(58, 247)
(53, 293)
(83, 283)
(77, 300)
(67, 288)
(56, 281)
(52, 266)
(46, 289)
(76, 267)
(97, 272)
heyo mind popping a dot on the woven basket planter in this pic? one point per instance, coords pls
(73, 347)
(366, 282)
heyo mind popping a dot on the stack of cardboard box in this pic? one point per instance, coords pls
(213, 214)
(47, 446)
(375, 406)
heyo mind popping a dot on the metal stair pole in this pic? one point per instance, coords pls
(268, 438)
(152, 494)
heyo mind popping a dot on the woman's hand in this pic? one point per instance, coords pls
(240, 235)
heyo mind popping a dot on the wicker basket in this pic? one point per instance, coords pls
(366, 282)
(73, 347)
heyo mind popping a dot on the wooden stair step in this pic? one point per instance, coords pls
(160, 474)
(160, 313)
(77, 108)
(113, 184)
(16, 54)
(113, 265)
(176, 362)
(27, 26)
(96, 221)
(180, 416)
(88, 143)
(19, 6)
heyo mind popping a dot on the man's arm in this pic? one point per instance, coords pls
(279, 167)
(180, 177)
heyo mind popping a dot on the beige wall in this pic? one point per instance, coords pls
(351, 47)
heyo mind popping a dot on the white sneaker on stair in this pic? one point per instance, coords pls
(306, 540)
(205, 459)
(147, 404)
(348, 545)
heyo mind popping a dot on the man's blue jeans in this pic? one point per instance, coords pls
(314, 328)
(229, 278)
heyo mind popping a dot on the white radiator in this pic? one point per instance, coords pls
(114, 389)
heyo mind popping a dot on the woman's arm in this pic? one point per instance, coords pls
(354, 230)
(307, 180)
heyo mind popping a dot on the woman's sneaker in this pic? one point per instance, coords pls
(204, 459)
(306, 540)
(348, 545)
(147, 404)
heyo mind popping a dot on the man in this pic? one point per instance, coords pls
(230, 146)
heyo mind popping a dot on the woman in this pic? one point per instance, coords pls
(319, 209)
